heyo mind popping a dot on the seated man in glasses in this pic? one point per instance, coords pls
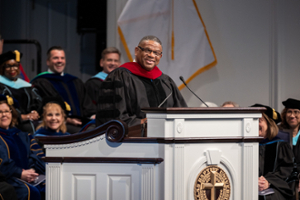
(135, 85)
(110, 60)
(12, 85)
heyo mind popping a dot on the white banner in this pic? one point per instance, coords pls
(187, 50)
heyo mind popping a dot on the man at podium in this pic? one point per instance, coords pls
(138, 84)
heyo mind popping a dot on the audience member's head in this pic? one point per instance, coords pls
(267, 123)
(148, 52)
(110, 59)
(56, 59)
(8, 113)
(54, 114)
(290, 114)
(230, 104)
(9, 64)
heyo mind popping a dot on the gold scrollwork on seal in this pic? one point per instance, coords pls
(212, 183)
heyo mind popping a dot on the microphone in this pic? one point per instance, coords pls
(181, 78)
(167, 96)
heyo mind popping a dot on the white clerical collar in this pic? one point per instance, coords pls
(49, 70)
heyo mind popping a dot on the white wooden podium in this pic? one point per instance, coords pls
(189, 153)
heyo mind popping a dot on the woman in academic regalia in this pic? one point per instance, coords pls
(291, 118)
(19, 89)
(291, 123)
(54, 117)
(275, 158)
(20, 164)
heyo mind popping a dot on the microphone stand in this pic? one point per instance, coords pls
(181, 78)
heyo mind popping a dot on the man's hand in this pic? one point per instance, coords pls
(29, 175)
(143, 120)
(263, 183)
(93, 116)
(74, 121)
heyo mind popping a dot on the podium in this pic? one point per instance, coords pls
(188, 153)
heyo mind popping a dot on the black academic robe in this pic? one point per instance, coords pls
(123, 94)
(93, 87)
(28, 98)
(276, 165)
(70, 88)
(296, 150)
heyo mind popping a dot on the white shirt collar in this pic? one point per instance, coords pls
(49, 70)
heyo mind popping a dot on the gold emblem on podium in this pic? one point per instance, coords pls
(212, 183)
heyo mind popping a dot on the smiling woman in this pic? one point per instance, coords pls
(20, 162)
(13, 86)
(54, 117)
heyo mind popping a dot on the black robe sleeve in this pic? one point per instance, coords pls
(36, 99)
(87, 107)
(93, 88)
(44, 87)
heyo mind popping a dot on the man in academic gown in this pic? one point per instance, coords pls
(135, 85)
(55, 82)
(110, 60)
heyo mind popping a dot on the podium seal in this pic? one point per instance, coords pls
(212, 183)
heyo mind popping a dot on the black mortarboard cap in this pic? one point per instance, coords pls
(292, 103)
(270, 112)
(10, 101)
(15, 55)
(58, 100)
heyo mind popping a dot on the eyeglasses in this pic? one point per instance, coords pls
(148, 51)
(6, 112)
(15, 66)
(295, 112)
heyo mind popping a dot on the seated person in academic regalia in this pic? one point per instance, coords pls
(135, 85)
(55, 82)
(20, 164)
(275, 158)
(110, 60)
(54, 116)
(291, 123)
(21, 90)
